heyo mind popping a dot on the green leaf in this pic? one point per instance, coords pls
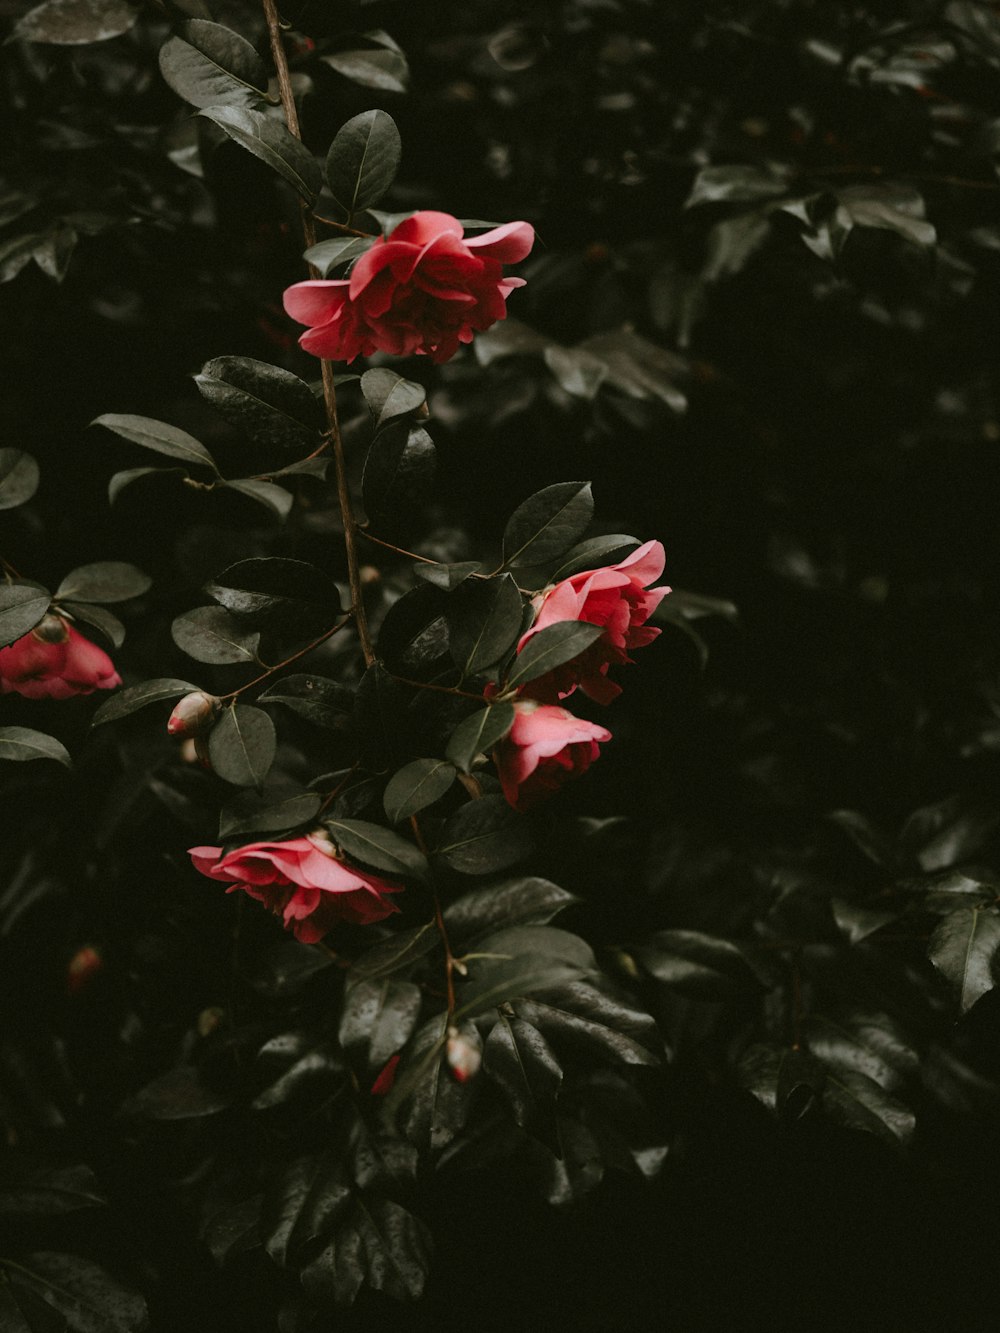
(702, 966)
(242, 745)
(595, 553)
(307, 1200)
(416, 786)
(522, 1063)
(484, 621)
(519, 960)
(547, 524)
(272, 497)
(860, 1103)
(590, 1017)
(267, 812)
(273, 406)
(377, 846)
(23, 743)
(179, 1094)
(100, 619)
(413, 636)
(22, 606)
(19, 477)
(398, 472)
(774, 1073)
(326, 703)
(363, 160)
(126, 477)
(528, 901)
(211, 634)
(84, 1297)
(389, 395)
(447, 577)
(384, 70)
(326, 255)
(743, 184)
(138, 696)
(213, 66)
(105, 581)
(964, 949)
(438, 1105)
(159, 437)
(397, 953)
(377, 1020)
(479, 733)
(76, 22)
(53, 1193)
(550, 648)
(288, 595)
(270, 141)
(484, 836)
(869, 1044)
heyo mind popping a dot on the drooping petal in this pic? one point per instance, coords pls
(424, 226)
(509, 244)
(316, 301)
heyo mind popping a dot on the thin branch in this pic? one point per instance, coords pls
(400, 550)
(327, 634)
(342, 226)
(441, 689)
(329, 389)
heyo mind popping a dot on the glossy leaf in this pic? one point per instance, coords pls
(447, 577)
(590, 1018)
(384, 70)
(288, 595)
(253, 812)
(22, 606)
(373, 845)
(595, 553)
(119, 480)
(702, 966)
(99, 618)
(389, 395)
(138, 696)
(519, 1059)
(860, 1103)
(158, 436)
(363, 160)
(547, 524)
(964, 949)
(83, 1297)
(484, 621)
(519, 960)
(19, 744)
(550, 648)
(242, 745)
(416, 786)
(270, 141)
(19, 477)
(211, 634)
(479, 733)
(179, 1094)
(273, 406)
(400, 951)
(326, 703)
(398, 472)
(326, 255)
(211, 65)
(483, 836)
(76, 22)
(377, 1020)
(275, 498)
(105, 581)
(528, 901)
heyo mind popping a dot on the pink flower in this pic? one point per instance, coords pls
(302, 881)
(423, 289)
(545, 747)
(619, 598)
(55, 661)
(386, 1077)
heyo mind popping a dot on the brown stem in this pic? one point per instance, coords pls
(342, 226)
(400, 550)
(327, 634)
(449, 957)
(441, 689)
(329, 390)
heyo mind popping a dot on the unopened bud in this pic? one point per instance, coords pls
(193, 714)
(83, 967)
(369, 575)
(464, 1054)
(51, 629)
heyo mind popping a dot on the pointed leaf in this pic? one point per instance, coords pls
(23, 743)
(416, 786)
(100, 619)
(272, 497)
(389, 395)
(484, 620)
(138, 696)
(287, 595)
(158, 436)
(19, 475)
(363, 160)
(326, 255)
(377, 1020)
(550, 648)
(87, 1298)
(398, 472)
(377, 846)
(105, 581)
(964, 950)
(479, 733)
(76, 22)
(242, 745)
(591, 1017)
(519, 1059)
(595, 553)
(547, 523)
(211, 634)
(270, 141)
(529, 901)
(22, 606)
(272, 405)
(251, 812)
(484, 836)
(213, 66)
(385, 70)
(326, 703)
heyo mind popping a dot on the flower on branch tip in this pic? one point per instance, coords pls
(302, 881)
(424, 289)
(55, 661)
(544, 748)
(617, 597)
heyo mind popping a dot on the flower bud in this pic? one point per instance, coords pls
(83, 967)
(193, 714)
(464, 1054)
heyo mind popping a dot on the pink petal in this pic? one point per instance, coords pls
(316, 302)
(645, 564)
(425, 226)
(509, 244)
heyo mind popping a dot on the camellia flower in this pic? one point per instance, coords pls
(425, 288)
(302, 881)
(619, 598)
(193, 714)
(55, 661)
(545, 747)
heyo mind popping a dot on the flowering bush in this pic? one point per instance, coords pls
(55, 661)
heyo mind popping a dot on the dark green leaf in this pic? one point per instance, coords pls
(23, 743)
(138, 696)
(385, 70)
(964, 950)
(307, 1201)
(398, 472)
(595, 553)
(377, 1020)
(87, 1298)
(287, 595)
(388, 395)
(363, 160)
(395, 954)
(233, 1229)
(76, 22)
(550, 648)
(484, 621)
(858, 922)
(437, 1104)
(326, 255)
(242, 745)
(858, 1102)
(272, 497)
(743, 184)
(159, 437)
(53, 1193)
(178, 1094)
(373, 845)
(519, 960)
(513, 902)
(250, 812)
(379, 712)
(126, 477)
(270, 404)
(19, 477)
(591, 1017)
(699, 965)
(447, 577)
(416, 786)
(519, 1059)
(98, 618)
(326, 703)
(414, 634)
(211, 634)
(213, 66)
(869, 1044)
(479, 733)
(547, 524)
(105, 581)
(774, 1073)
(484, 836)
(22, 606)
(270, 141)
(317, 1073)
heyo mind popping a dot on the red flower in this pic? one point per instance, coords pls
(422, 289)
(302, 881)
(385, 1078)
(617, 597)
(545, 747)
(55, 661)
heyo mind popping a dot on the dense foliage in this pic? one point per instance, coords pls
(706, 1036)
